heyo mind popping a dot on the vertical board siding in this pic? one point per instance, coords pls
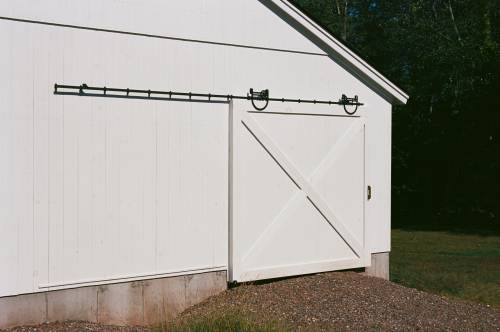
(98, 188)
(16, 193)
(142, 189)
(8, 147)
(239, 22)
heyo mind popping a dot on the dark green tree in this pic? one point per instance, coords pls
(446, 55)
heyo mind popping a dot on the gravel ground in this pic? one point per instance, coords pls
(351, 301)
(345, 301)
(78, 326)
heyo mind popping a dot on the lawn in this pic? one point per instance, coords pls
(221, 322)
(463, 266)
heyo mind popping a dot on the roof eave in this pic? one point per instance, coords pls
(338, 51)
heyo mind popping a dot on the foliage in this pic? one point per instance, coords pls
(464, 266)
(446, 55)
(223, 322)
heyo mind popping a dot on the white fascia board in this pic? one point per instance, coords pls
(335, 49)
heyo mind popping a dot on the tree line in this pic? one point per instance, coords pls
(445, 54)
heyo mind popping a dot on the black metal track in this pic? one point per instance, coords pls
(90, 91)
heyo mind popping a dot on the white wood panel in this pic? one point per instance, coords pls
(240, 22)
(97, 164)
(378, 147)
(144, 189)
(195, 182)
(17, 163)
(9, 119)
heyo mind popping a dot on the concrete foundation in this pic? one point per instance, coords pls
(143, 302)
(380, 266)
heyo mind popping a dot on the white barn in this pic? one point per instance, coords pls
(112, 207)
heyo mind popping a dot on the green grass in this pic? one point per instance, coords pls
(221, 322)
(463, 266)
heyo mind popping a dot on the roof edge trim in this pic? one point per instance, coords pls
(338, 49)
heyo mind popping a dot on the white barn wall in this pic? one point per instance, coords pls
(39, 56)
(16, 169)
(236, 22)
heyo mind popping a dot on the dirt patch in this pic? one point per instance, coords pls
(344, 301)
(350, 301)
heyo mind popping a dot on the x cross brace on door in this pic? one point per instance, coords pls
(305, 186)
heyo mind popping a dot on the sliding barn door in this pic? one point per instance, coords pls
(298, 192)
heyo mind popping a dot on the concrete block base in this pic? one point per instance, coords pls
(144, 302)
(380, 266)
